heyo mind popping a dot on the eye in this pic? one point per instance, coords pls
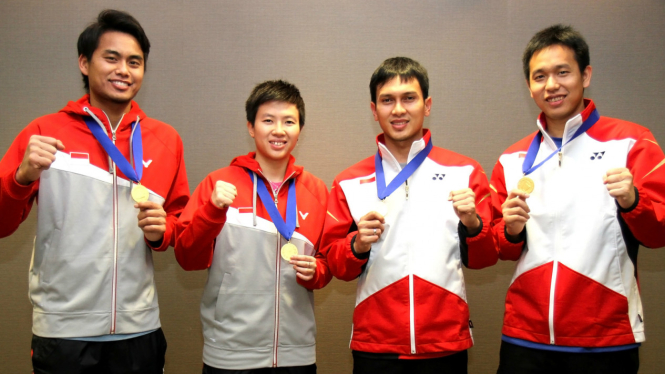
(564, 72)
(409, 98)
(290, 122)
(387, 100)
(111, 58)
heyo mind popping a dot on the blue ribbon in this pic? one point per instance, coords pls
(403, 175)
(134, 173)
(285, 228)
(531, 154)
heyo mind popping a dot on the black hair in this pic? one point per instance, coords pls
(276, 90)
(402, 67)
(110, 20)
(553, 35)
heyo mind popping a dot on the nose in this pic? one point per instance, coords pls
(552, 83)
(279, 128)
(121, 68)
(398, 110)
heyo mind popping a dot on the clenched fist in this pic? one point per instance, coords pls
(39, 155)
(223, 194)
(464, 204)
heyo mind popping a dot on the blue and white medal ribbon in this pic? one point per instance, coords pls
(285, 228)
(526, 184)
(384, 191)
(133, 172)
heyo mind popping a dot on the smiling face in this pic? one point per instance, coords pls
(400, 110)
(275, 131)
(115, 70)
(557, 84)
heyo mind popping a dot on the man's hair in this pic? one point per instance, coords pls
(110, 20)
(402, 67)
(277, 90)
(557, 35)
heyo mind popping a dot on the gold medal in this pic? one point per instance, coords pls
(289, 250)
(382, 208)
(140, 193)
(525, 184)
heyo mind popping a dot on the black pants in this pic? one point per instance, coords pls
(309, 369)
(140, 355)
(515, 359)
(453, 364)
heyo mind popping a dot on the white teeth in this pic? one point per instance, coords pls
(120, 83)
(278, 143)
(555, 99)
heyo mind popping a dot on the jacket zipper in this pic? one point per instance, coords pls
(555, 270)
(412, 312)
(278, 267)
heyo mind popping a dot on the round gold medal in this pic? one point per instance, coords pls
(140, 193)
(382, 208)
(525, 184)
(289, 250)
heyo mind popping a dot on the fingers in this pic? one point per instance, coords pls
(39, 155)
(148, 205)
(619, 184)
(464, 201)
(517, 193)
(370, 228)
(305, 266)
(224, 194)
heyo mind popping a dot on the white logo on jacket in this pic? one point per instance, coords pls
(304, 216)
(147, 163)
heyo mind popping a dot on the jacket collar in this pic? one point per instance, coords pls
(416, 147)
(249, 162)
(571, 125)
(78, 107)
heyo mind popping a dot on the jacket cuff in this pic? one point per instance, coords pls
(213, 214)
(465, 232)
(632, 207)
(521, 237)
(359, 256)
(16, 190)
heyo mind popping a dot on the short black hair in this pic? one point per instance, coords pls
(110, 20)
(402, 67)
(275, 90)
(559, 34)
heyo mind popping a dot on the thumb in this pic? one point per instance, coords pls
(59, 145)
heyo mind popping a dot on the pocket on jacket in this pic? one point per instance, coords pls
(45, 268)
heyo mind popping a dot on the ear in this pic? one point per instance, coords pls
(373, 107)
(250, 128)
(528, 85)
(83, 64)
(586, 76)
(428, 106)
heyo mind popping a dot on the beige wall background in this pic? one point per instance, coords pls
(207, 55)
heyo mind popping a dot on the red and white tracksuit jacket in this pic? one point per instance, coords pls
(255, 312)
(91, 272)
(575, 283)
(411, 297)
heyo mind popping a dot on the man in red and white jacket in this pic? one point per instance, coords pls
(404, 222)
(91, 278)
(572, 203)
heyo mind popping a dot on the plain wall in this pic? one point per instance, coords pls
(206, 57)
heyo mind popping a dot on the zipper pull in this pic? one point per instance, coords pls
(407, 190)
(560, 158)
(113, 137)
(275, 200)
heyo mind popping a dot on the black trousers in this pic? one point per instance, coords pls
(140, 355)
(309, 369)
(453, 364)
(515, 359)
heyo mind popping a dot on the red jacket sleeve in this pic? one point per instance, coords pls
(646, 219)
(337, 236)
(322, 276)
(481, 249)
(199, 224)
(507, 250)
(15, 199)
(175, 203)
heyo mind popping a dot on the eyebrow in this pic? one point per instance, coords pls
(557, 67)
(401, 94)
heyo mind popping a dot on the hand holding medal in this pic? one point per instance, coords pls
(152, 220)
(305, 266)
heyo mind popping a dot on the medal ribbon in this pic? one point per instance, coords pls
(531, 154)
(285, 228)
(403, 175)
(134, 173)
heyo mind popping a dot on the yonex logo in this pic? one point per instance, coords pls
(597, 155)
(438, 176)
